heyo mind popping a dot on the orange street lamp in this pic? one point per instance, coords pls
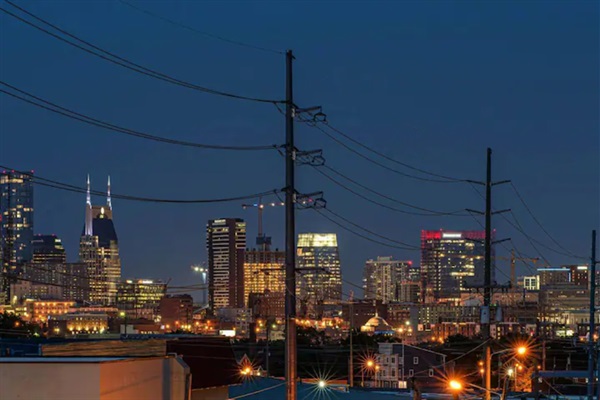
(455, 387)
(521, 350)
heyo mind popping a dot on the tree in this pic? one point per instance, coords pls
(11, 325)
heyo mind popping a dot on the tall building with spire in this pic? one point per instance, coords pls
(99, 250)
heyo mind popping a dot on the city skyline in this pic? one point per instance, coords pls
(444, 118)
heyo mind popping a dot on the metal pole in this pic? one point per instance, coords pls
(267, 350)
(290, 236)
(351, 367)
(592, 279)
(487, 290)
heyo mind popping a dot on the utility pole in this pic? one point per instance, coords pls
(487, 284)
(592, 347)
(290, 235)
(487, 291)
(351, 366)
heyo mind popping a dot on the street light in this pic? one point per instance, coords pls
(322, 384)
(455, 387)
(369, 364)
(521, 350)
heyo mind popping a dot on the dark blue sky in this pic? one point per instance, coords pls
(429, 83)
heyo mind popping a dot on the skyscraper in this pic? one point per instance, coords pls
(319, 282)
(46, 270)
(99, 250)
(450, 261)
(264, 281)
(16, 226)
(383, 277)
(225, 244)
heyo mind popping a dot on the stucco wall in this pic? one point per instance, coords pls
(49, 381)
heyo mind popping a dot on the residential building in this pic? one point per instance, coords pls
(225, 243)
(264, 277)
(319, 279)
(140, 298)
(450, 262)
(383, 278)
(552, 276)
(99, 250)
(16, 227)
(399, 364)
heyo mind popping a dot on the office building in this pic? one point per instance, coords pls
(225, 243)
(16, 226)
(450, 262)
(77, 286)
(263, 274)
(319, 281)
(383, 278)
(99, 250)
(530, 283)
(140, 298)
(48, 261)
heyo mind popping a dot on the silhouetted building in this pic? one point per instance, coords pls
(225, 243)
(176, 310)
(47, 265)
(16, 226)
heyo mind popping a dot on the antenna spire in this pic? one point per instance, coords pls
(108, 201)
(89, 231)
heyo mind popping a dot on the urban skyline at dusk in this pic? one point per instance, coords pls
(300, 200)
(443, 127)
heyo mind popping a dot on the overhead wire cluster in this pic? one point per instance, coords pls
(317, 122)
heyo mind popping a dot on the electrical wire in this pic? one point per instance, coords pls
(364, 146)
(372, 160)
(429, 211)
(55, 108)
(371, 232)
(38, 180)
(203, 33)
(537, 221)
(361, 235)
(117, 60)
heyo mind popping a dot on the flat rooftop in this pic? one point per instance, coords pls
(74, 360)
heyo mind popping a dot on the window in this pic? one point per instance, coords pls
(411, 373)
(415, 360)
(393, 372)
(431, 372)
(401, 360)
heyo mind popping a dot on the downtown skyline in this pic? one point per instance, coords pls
(443, 128)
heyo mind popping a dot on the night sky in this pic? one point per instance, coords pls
(432, 84)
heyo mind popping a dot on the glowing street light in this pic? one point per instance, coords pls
(510, 372)
(370, 363)
(322, 384)
(521, 350)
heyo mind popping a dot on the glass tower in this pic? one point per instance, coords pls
(319, 281)
(16, 226)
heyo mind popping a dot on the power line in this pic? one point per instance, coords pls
(203, 33)
(361, 235)
(432, 212)
(364, 146)
(55, 108)
(369, 231)
(123, 62)
(522, 200)
(38, 180)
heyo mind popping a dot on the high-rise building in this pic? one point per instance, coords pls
(99, 249)
(225, 243)
(16, 226)
(140, 298)
(383, 277)
(319, 281)
(451, 261)
(263, 273)
(48, 261)
(76, 285)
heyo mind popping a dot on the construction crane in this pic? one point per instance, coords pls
(513, 264)
(262, 241)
